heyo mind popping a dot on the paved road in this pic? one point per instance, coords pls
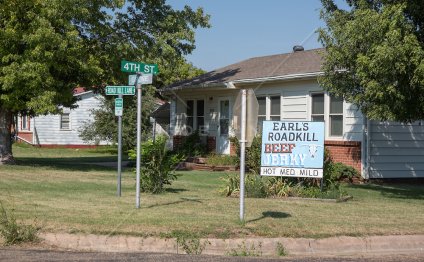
(12, 254)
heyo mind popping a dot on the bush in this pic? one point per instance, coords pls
(221, 160)
(253, 153)
(193, 146)
(14, 232)
(254, 185)
(157, 165)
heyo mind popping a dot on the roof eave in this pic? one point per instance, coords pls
(231, 84)
(220, 85)
(310, 75)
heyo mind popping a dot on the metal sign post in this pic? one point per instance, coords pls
(119, 150)
(137, 200)
(242, 152)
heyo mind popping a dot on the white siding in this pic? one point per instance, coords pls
(353, 123)
(48, 131)
(396, 150)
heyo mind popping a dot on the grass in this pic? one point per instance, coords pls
(67, 193)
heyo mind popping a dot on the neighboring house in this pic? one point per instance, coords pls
(287, 89)
(160, 119)
(61, 129)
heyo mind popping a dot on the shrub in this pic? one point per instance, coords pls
(254, 185)
(14, 232)
(221, 160)
(193, 146)
(157, 165)
(253, 153)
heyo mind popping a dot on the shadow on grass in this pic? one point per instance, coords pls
(271, 214)
(402, 191)
(83, 164)
(175, 190)
(182, 200)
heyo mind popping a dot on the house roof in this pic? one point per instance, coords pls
(295, 63)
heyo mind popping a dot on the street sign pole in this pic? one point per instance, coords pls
(119, 152)
(137, 201)
(242, 152)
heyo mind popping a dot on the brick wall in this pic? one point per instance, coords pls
(233, 149)
(346, 152)
(178, 142)
(211, 144)
(25, 135)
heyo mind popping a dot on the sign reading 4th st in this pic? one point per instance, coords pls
(135, 67)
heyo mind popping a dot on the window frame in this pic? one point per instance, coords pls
(25, 119)
(268, 107)
(195, 115)
(61, 121)
(327, 124)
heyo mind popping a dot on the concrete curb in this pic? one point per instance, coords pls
(262, 246)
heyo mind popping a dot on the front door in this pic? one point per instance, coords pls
(222, 141)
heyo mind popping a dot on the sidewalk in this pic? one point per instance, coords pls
(266, 246)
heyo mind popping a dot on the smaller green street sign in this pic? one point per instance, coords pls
(120, 90)
(119, 106)
(135, 67)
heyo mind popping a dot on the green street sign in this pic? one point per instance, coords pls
(120, 90)
(135, 67)
(119, 106)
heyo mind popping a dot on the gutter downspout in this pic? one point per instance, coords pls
(368, 148)
(365, 156)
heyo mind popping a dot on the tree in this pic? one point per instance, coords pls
(375, 56)
(48, 48)
(104, 125)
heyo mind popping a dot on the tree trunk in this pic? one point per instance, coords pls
(6, 156)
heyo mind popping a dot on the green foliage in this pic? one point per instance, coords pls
(244, 250)
(261, 187)
(375, 56)
(105, 123)
(48, 48)
(221, 160)
(157, 165)
(193, 146)
(253, 153)
(190, 242)
(281, 250)
(14, 232)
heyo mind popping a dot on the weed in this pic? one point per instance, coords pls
(190, 243)
(281, 250)
(14, 232)
(243, 250)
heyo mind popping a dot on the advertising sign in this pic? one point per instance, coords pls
(292, 149)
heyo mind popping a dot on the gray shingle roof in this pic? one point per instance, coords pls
(301, 62)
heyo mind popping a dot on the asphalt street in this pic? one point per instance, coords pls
(16, 254)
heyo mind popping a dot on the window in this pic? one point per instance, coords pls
(195, 115)
(64, 121)
(275, 108)
(25, 122)
(269, 109)
(336, 116)
(200, 115)
(328, 109)
(317, 108)
(224, 117)
(190, 114)
(261, 111)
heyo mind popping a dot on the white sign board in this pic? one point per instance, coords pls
(292, 149)
(119, 106)
(143, 79)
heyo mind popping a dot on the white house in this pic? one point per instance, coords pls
(287, 89)
(61, 129)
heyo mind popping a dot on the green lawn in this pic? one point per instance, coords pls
(64, 192)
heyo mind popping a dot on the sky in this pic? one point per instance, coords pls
(241, 29)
